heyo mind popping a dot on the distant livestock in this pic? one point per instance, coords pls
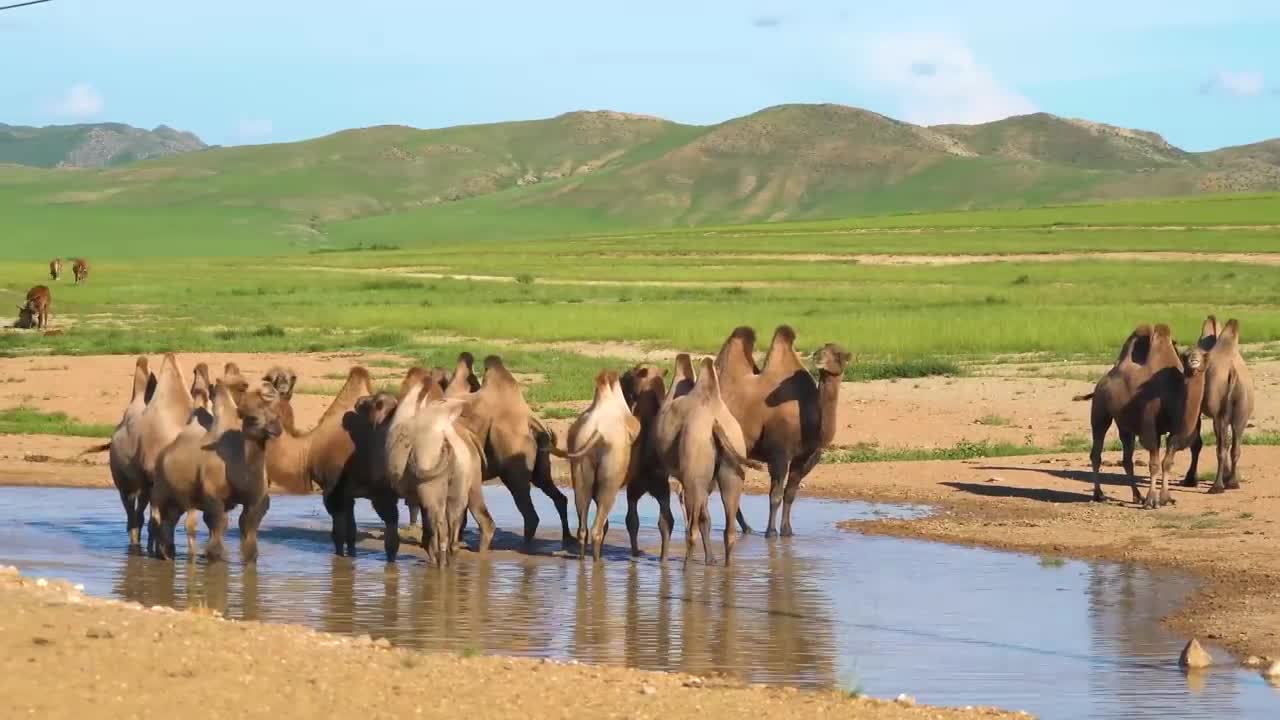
(80, 269)
(55, 269)
(35, 313)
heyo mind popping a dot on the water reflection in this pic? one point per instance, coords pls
(949, 625)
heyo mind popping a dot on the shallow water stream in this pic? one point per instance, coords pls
(829, 608)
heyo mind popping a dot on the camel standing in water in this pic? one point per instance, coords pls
(602, 439)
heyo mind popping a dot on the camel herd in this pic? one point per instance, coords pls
(209, 447)
(1154, 391)
(34, 313)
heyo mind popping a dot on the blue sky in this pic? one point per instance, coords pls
(1205, 73)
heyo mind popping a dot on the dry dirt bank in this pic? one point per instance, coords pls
(64, 655)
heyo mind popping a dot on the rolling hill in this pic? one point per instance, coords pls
(599, 172)
(90, 146)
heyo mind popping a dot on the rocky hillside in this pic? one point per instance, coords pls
(90, 146)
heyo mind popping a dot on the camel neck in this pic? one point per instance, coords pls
(828, 400)
(1190, 414)
(255, 460)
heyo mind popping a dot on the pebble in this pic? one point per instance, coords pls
(98, 634)
(364, 640)
(648, 690)
(41, 582)
(382, 643)
(694, 682)
(1194, 657)
(1254, 661)
(905, 699)
(1273, 670)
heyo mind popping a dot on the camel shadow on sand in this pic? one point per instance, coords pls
(1084, 477)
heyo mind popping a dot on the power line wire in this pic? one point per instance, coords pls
(23, 4)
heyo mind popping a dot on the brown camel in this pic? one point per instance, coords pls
(463, 382)
(80, 270)
(34, 313)
(787, 417)
(219, 469)
(644, 391)
(701, 444)
(296, 461)
(517, 445)
(1151, 391)
(1228, 402)
(55, 269)
(602, 437)
(443, 468)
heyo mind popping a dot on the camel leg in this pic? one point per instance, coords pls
(704, 529)
(1219, 436)
(666, 520)
(742, 523)
(215, 517)
(1238, 424)
(517, 479)
(1166, 466)
(692, 515)
(542, 480)
(1197, 444)
(164, 522)
(1101, 423)
(731, 494)
(635, 491)
(132, 523)
(582, 474)
(333, 505)
(415, 513)
(480, 511)
(606, 496)
(777, 477)
(1153, 466)
(388, 508)
(250, 519)
(192, 524)
(789, 498)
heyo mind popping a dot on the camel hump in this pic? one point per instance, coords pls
(684, 367)
(434, 392)
(1230, 332)
(745, 334)
(785, 334)
(1209, 328)
(414, 377)
(1163, 331)
(466, 358)
(493, 362)
(707, 379)
(359, 374)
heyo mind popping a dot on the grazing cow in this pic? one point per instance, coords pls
(55, 269)
(35, 313)
(80, 269)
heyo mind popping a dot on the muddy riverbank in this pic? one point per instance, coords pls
(67, 655)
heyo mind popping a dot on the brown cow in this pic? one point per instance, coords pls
(80, 269)
(35, 313)
(55, 268)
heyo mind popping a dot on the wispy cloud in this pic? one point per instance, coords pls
(766, 22)
(80, 101)
(251, 130)
(936, 78)
(1241, 84)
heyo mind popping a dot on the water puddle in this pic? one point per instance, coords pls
(948, 625)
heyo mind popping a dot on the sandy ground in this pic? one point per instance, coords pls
(1033, 504)
(65, 655)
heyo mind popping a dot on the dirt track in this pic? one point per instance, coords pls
(64, 655)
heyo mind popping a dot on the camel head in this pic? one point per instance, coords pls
(1193, 361)
(643, 389)
(259, 418)
(282, 379)
(377, 409)
(831, 359)
(26, 317)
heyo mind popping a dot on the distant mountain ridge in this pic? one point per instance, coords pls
(600, 170)
(92, 145)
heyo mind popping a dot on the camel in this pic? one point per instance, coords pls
(218, 469)
(787, 417)
(644, 392)
(517, 445)
(1151, 391)
(444, 466)
(701, 444)
(602, 437)
(463, 382)
(55, 269)
(1228, 402)
(295, 460)
(80, 270)
(34, 313)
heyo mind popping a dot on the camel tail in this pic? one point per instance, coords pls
(1079, 398)
(586, 448)
(97, 449)
(735, 458)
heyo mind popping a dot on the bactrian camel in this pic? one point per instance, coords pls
(787, 417)
(1151, 392)
(1228, 402)
(701, 445)
(602, 438)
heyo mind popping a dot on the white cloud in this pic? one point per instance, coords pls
(1245, 84)
(79, 101)
(936, 79)
(253, 129)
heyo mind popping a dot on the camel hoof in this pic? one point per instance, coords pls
(1217, 490)
(1189, 482)
(770, 533)
(1166, 499)
(786, 532)
(1099, 497)
(1233, 485)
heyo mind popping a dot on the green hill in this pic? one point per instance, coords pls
(90, 146)
(590, 172)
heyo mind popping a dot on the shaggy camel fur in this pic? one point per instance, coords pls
(701, 444)
(1150, 392)
(55, 269)
(1228, 402)
(602, 437)
(517, 445)
(34, 313)
(218, 469)
(443, 468)
(787, 418)
(364, 476)
(644, 391)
